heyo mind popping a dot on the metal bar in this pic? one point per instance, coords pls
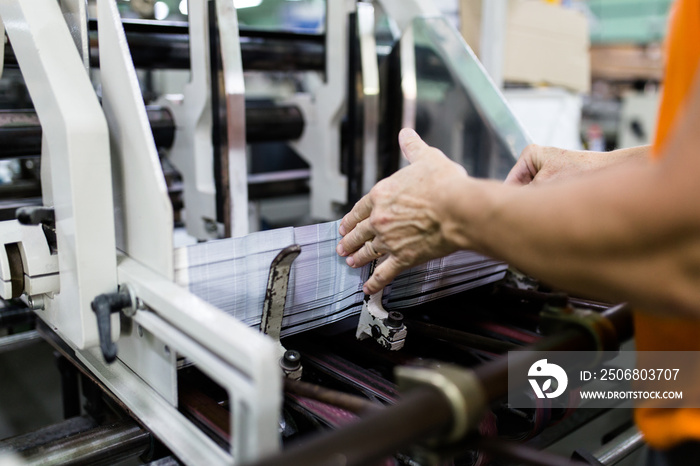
(118, 441)
(15, 315)
(370, 93)
(352, 130)
(70, 388)
(45, 435)
(464, 338)
(494, 375)
(352, 403)
(620, 447)
(20, 340)
(374, 437)
(276, 292)
(234, 151)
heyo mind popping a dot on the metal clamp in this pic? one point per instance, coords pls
(386, 327)
(460, 386)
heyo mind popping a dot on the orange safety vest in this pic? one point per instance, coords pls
(665, 428)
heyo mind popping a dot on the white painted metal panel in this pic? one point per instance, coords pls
(76, 135)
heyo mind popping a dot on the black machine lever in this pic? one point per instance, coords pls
(104, 306)
(37, 216)
(40, 215)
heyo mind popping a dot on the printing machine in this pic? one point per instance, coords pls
(91, 251)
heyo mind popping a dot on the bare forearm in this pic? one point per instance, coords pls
(542, 164)
(624, 234)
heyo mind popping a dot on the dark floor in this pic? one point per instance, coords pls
(30, 390)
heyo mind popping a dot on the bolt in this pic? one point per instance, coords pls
(291, 360)
(210, 225)
(139, 330)
(36, 303)
(394, 320)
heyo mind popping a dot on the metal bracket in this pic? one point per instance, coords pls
(273, 307)
(387, 328)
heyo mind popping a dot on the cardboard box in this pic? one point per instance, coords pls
(544, 43)
(627, 62)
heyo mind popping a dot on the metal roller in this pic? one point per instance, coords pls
(20, 130)
(165, 45)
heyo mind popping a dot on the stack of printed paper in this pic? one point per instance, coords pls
(232, 275)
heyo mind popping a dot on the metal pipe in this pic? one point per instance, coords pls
(422, 413)
(352, 403)
(19, 340)
(102, 445)
(46, 435)
(267, 122)
(20, 130)
(620, 447)
(15, 315)
(471, 340)
(494, 375)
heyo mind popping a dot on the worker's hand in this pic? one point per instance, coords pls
(405, 216)
(539, 164)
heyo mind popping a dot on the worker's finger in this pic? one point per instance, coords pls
(412, 146)
(526, 168)
(519, 175)
(359, 212)
(356, 238)
(370, 251)
(383, 275)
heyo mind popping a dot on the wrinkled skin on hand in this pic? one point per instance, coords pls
(406, 216)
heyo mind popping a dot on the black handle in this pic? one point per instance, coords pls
(103, 306)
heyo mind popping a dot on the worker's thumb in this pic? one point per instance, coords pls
(412, 146)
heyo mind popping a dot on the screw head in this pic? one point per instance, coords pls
(394, 319)
(291, 360)
(36, 303)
